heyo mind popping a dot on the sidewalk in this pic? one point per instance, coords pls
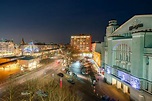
(102, 88)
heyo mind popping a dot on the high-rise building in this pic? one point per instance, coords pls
(127, 57)
(81, 43)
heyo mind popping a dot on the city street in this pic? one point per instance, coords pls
(101, 88)
(51, 70)
(83, 85)
(28, 76)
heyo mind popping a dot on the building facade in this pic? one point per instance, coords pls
(28, 63)
(81, 42)
(96, 53)
(39, 49)
(127, 56)
(81, 45)
(7, 48)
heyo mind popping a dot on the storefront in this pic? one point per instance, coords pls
(120, 85)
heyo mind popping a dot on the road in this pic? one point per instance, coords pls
(82, 89)
(31, 75)
(101, 88)
(83, 86)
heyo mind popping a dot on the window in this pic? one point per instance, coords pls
(147, 86)
(147, 60)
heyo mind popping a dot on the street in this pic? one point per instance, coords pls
(83, 85)
(101, 88)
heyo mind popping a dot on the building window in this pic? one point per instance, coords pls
(123, 52)
(120, 57)
(147, 61)
(151, 88)
(127, 57)
(121, 85)
(147, 86)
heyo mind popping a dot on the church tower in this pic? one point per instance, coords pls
(22, 41)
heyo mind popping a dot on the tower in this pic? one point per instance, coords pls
(22, 42)
(111, 27)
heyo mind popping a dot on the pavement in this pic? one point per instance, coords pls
(102, 88)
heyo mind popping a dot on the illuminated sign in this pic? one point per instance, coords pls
(136, 24)
(133, 81)
(108, 69)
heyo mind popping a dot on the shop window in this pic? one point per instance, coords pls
(128, 90)
(121, 86)
(151, 88)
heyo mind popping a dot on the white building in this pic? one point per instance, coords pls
(39, 49)
(7, 48)
(127, 56)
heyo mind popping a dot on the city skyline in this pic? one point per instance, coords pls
(55, 21)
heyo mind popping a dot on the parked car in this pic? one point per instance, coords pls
(66, 70)
(75, 75)
(60, 74)
(106, 98)
(71, 81)
(94, 82)
(84, 70)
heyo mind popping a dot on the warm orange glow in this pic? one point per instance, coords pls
(8, 70)
(97, 58)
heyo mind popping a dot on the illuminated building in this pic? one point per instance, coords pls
(38, 49)
(127, 56)
(7, 48)
(28, 62)
(96, 52)
(81, 43)
(8, 63)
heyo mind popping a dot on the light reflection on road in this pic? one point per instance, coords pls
(29, 76)
(4, 73)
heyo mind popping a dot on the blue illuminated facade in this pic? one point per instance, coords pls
(31, 48)
(127, 56)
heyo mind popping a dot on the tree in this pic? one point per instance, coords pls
(48, 86)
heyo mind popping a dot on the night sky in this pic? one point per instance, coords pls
(56, 20)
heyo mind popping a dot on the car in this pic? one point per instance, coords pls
(71, 81)
(75, 75)
(94, 82)
(66, 69)
(60, 74)
(84, 71)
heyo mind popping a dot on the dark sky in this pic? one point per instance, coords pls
(56, 20)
